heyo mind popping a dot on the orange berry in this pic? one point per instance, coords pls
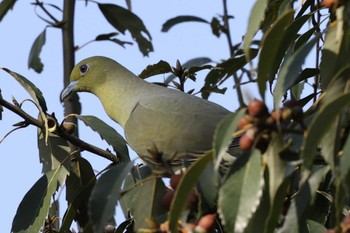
(257, 109)
(206, 223)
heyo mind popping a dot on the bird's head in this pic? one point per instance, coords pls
(88, 74)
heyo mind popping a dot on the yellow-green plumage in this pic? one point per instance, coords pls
(154, 118)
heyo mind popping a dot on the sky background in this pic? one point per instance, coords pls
(19, 160)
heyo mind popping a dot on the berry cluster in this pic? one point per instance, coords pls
(258, 123)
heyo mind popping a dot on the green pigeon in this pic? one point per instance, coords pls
(165, 127)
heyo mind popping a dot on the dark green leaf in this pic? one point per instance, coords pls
(54, 153)
(107, 36)
(79, 185)
(35, 93)
(1, 108)
(5, 6)
(191, 66)
(161, 67)
(123, 19)
(181, 19)
(325, 117)
(240, 195)
(149, 206)
(276, 42)
(290, 71)
(215, 26)
(185, 186)
(344, 166)
(34, 207)
(304, 38)
(256, 17)
(109, 134)
(295, 220)
(223, 135)
(34, 60)
(106, 194)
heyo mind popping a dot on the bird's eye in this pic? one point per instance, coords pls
(84, 68)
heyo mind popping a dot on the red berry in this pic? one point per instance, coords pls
(257, 109)
(174, 180)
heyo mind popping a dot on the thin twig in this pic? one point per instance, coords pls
(229, 41)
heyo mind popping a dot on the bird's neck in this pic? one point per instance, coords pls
(120, 96)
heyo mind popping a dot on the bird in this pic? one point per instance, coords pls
(167, 128)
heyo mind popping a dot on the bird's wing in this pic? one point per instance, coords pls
(173, 124)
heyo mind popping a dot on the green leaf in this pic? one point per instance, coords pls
(5, 6)
(215, 26)
(109, 37)
(106, 194)
(35, 205)
(295, 220)
(344, 166)
(275, 43)
(35, 93)
(140, 206)
(191, 66)
(161, 67)
(325, 118)
(34, 60)
(109, 134)
(149, 206)
(316, 227)
(79, 185)
(53, 153)
(184, 188)
(223, 135)
(333, 58)
(256, 17)
(240, 195)
(290, 71)
(122, 20)
(181, 19)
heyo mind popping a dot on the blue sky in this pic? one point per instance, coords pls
(20, 167)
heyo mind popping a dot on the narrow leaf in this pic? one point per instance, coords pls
(53, 154)
(122, 20)
(109, 134)
(223, 135)
(34, 207)
(35, 93)
(290, 71)
(325, 118)
(106, 194)
(240, 195)
(256, 17)
(5, 6)
(161, 67)
(34, 60)
(185, 186)
(181, 19)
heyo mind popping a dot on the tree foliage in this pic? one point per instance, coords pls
(293, 174)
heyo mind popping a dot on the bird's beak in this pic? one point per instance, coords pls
(66, 92)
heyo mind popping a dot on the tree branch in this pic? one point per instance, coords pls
(59, 131)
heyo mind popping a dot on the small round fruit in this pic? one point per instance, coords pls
(328, 3)
(247, 140)
(243, 122)
(168, 197)
(206, 223)
(257, 109)
(69, 127)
